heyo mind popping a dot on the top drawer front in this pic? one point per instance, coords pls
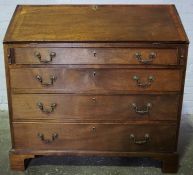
(96, 56)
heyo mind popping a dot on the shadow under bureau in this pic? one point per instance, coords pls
(102, 80)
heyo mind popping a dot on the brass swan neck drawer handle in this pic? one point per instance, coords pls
(39, 56)
(152, 56)
(140, 142)
(150, 79)
(47, 141)
(52, 80)
(44, 110)
(142, 110)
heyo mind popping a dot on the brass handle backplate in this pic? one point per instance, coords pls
(143, 109)
(150, 79)
(51, 82)
(140, 142)
(39, 56)
(44, 110)
(47, 141)
(152, 56)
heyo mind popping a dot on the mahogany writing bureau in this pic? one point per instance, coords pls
(102, 80)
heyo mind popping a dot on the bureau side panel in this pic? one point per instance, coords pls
(8, 58)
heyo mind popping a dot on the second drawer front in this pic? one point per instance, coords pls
(94, 107)
(96, 80)
(94, 137)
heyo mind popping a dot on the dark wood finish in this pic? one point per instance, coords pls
(94, 107)
(96, 80)
(109, 23)
(95, 56)
(93, 52)
(95, 137)
(157, 156)
(18, 161)
(170, 164)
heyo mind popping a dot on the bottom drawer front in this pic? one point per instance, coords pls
(95, 137)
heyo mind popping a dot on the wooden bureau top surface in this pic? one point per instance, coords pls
(89, 23)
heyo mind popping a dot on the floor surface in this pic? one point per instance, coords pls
(94, 165)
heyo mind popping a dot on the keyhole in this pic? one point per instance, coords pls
(94, 99)
(95, 7)
(94, 53)
(93, 128)
(94, 74)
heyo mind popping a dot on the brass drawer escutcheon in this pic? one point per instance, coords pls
(94, 53)
(94, 74)
(94, 100)
(95, 7)
(93, 129)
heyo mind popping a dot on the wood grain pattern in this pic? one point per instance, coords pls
(95, 55)
(94, 64)
(96, 80)
(170, 160)
(94, 107)
(108, 23)
(97, 137)
(18, 161)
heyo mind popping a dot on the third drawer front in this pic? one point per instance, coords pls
(94, 107)
(96, 80)
(95, 137)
